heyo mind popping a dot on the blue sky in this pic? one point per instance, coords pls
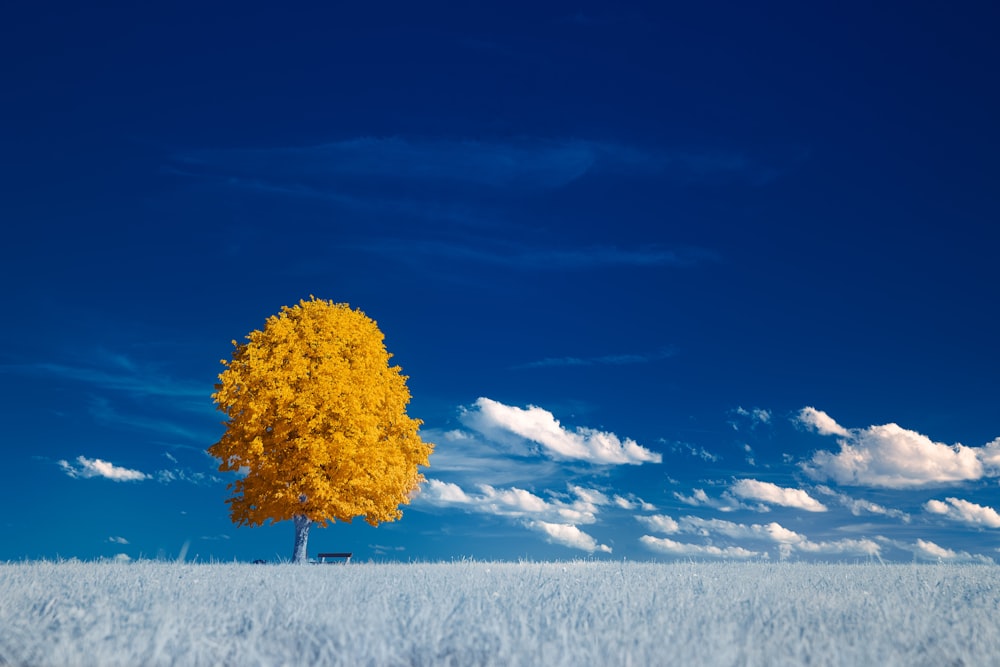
(709, 281)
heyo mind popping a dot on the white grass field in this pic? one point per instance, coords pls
(475, 613)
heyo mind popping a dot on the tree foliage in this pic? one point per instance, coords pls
(317, 420)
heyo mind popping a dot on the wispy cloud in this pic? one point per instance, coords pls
(102, 410)
(122, 376)
(467, 456)
(499, 421)
(187, 476)
(752, 418)
(86, 468)
(861, 506)
(518, 255)
(695, 451)
(890, 456)
(603, 360)
(516, 164)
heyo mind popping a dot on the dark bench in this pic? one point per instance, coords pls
(344, 555)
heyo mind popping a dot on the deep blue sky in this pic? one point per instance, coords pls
(668, 279)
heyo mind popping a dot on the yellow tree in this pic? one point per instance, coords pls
(316, 423)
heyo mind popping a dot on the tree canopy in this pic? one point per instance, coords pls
(317, 421)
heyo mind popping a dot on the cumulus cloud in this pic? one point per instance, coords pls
(568, 535)
(890, 456)
(963, 511)
(114, 539)
(673, 548)
(989, 454)
(927, 550)
(766, 492)
(436, 492)
(496, 420)
(86, 468)
(660, 523)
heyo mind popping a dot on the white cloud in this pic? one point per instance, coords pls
(964, 512)
(927, 550)
(889, 456)
(673, 548)
(624, 503)
(755, 416)
(569, 536)
(511, 502)
(705, 527)
(499, 421)
(582, 506)
(861, 547)
(989, 454)
(436, 492)
(786, 540)
(778, 533)
(697, 497)
(773, 494)
(660, 523)
(821, 422)
(87, 468)
(114, 539)
(185, 475)
(557, 518)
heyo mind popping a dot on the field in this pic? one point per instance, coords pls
(480, 613)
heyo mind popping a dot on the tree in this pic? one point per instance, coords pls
(317, 423)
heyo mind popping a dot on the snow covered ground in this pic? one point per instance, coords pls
(476, 613)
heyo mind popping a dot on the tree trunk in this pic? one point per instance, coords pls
(302, 525)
